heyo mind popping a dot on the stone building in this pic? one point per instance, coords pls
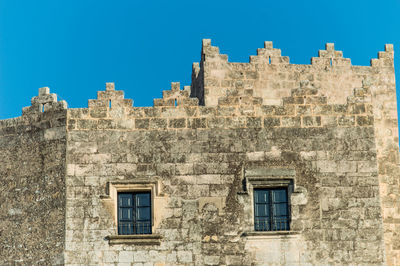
(259, 163)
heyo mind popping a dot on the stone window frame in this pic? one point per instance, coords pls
(264, 177)
(136, 185)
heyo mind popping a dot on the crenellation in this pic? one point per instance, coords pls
(211, 53)
(268, 56)
(385, 58)
(330, 52)
(109, 103)
(388, 53)
(110, 95)
(330, 57)
(389, 48)
(44, 102)
(176, 97)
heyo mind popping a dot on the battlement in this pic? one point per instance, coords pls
(272, 77)
(244, 88)
(176, 97)
(271, 55)
(44, 102)
(268, 78)
(110, 99)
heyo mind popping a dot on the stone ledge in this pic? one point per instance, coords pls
(269, 172)
(269, 233)
(154, 239)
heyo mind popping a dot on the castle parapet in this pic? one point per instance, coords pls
(44, 102)
(176, 97)
(110, 98)
(211, 53)
(269, 55)
(330, 57)
(385, 58)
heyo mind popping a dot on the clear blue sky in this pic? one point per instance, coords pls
(75, 46)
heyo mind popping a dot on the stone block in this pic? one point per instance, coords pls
(255, 156)
(184, 169)
(158, 123)
(157, 256)
(272, 122)
(177, 123)
(290, 121)
(140, 256)
(125, 124)
(185, 256)
(236, 122)
(208, 179)
(86, 124)
(347, 167)
(195, 123)
(100, 112)
(54, 133)
(366, 167)
(125, 256)
(253, 122)
(217, 122)
(142, 123)
(44, 91)
(346, 120)
(327, 166)
(293, 100)
(311, 121)
(233, 260)
(172, 257)
(365, 120)
(211, 260)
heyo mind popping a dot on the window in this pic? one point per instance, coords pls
(132, 204)
(271, 209)
(134, 213)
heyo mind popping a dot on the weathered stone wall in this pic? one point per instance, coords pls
(272, 78)
(383, 89)
(32, 185)
(201, 157)
(328, 130)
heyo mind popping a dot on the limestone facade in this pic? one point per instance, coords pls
(327, 132)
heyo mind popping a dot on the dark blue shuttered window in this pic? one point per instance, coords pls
(134, 213)
(271, 209)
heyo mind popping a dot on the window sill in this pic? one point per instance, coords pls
(153, 239)
(269, 233)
